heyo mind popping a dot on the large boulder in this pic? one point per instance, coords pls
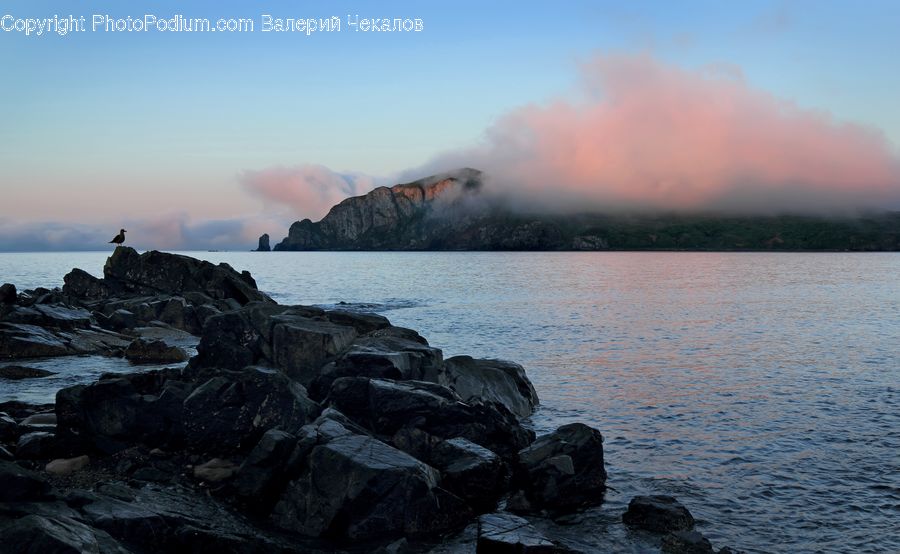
(385, 407)
(301, 346)
(121, 410)
(83, 285)
(658, 513)
(261, 477)
(154, 272)
(490, 381)
(387, 357)
(561, 471)
(154, 351)
(231, 411)
(470, 471)
(8, 294)
(355, 487)
(298, 340)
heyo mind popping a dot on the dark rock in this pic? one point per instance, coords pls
(122, 319)
(16, 372)
(44, 418)
(364, 323)
(6, 454)
(116, 412)
(242, 337)
(400, 333)
(29, 341)
(356, 487)
(658, 513)
(51, 316)
(178, 313)
(21, 410)
(35, 446)
(156, 351)
(115, 490)
(173, 518)
(381, 357)
(9, 429)
(261, 477)
(19, 484)
(301, 346)
(81, 284)
(385, 407)
(471, 472)
(153, 272)
(561, 471)
(490, 381)
(502, 533)
(686, 542)
(264, 243)
(131, 521)
(8, 294)
(34, 534)
(230, 412)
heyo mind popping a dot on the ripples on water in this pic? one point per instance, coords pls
(761, 389)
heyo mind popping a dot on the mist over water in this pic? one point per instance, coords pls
(761, 389)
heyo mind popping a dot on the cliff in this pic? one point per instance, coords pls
(388, 218)
(448, 212)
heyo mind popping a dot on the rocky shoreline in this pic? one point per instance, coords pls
(293, 429)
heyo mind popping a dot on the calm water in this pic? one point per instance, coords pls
(763, 390)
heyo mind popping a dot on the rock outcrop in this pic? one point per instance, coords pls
(264, 243)
(293, 429)
(561, 471)
(658, 513)
(490, 381)
(386, 217)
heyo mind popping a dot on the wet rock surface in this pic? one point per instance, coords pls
(561, 471)
(154, 351)
(22, 372)
(490, 381)
(293, 429)
(507, 533)
(658, 513)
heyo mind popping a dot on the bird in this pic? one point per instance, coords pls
(120, 238)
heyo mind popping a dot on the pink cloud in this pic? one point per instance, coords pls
(646, 135)
(307, 190)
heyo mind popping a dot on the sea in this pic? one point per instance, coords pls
(760, 389)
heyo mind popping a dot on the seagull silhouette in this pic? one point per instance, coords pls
(120, 238)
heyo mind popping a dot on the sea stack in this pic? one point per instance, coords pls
(264, 244)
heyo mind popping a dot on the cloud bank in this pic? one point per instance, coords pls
(649, 136)
(167, 232)
(306, 190)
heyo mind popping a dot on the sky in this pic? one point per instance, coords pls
(206, 140)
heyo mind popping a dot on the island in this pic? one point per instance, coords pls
(458, 211)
